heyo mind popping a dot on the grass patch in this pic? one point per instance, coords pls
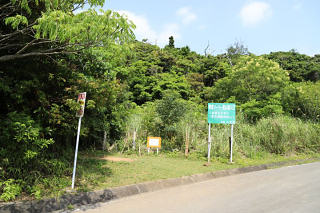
(100, 174)
(95, 173)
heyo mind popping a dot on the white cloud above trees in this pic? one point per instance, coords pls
(254, 13)
(145, 31)
(186, 15)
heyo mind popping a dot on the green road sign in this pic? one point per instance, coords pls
(221, 113)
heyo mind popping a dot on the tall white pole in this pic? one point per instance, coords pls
(231, 145)
(76, 154)
(209, 142)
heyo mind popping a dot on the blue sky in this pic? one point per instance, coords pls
(263, 26)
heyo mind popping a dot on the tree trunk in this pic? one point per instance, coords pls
(125, 143)
(139, 150)
(134, 139)
(186, 151)
(104, 143)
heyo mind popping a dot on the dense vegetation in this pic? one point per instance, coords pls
(48, 54)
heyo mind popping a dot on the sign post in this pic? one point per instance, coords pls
(231, 143)
(209, 142)
(80, 112)
(221, 113)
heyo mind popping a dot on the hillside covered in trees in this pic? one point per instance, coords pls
(49, 54)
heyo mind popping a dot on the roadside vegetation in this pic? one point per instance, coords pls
(97, 170)
(49, 54)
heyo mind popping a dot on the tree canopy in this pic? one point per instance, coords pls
(256, 83)
(301, 67)
(46, 27)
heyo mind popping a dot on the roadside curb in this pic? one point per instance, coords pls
(86, 198)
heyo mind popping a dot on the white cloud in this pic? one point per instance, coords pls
(145, 31)
(186, 15)
(254, 13)
(297, 6)
(143, 28)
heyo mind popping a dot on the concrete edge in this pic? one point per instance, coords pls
(85, 198)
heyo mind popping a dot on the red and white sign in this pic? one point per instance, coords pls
(82, 101)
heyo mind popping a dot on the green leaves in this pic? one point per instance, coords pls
(29, 138)
(303, 100)
(51, 27)
(91, 104)
(16, 21)
(10, 190)
(65, 5)
(24, 144)
(256, 83)
(88, 28)
(300, 67)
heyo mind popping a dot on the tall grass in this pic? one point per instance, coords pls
(285, 135)
(282, 135)
(278, 135)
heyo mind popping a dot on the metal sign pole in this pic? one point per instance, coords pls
(209, 142)
(231, 145)
(76, 154)
(80, 112)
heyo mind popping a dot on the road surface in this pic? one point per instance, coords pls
(287, 189)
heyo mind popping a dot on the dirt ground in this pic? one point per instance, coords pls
(117, 159)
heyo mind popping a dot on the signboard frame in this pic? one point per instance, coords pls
(149, 145)
(221, 113)
(154, 146)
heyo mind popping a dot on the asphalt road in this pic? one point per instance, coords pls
(288, 189)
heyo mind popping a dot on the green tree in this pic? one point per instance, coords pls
(171, 42)
(170, 81)
(235, 51)
(171, 109)
(255, 83)
(46, 28)
(213, 69)
(301, 67)
(190, 127)
(302, 100)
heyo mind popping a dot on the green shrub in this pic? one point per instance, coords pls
(23, 145)
(302, 100)
(10, 189)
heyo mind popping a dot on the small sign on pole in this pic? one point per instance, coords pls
(81, 101)
(221, 113)
(154, 142)
(80, 113)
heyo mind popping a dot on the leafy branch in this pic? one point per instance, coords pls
(57, 30)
